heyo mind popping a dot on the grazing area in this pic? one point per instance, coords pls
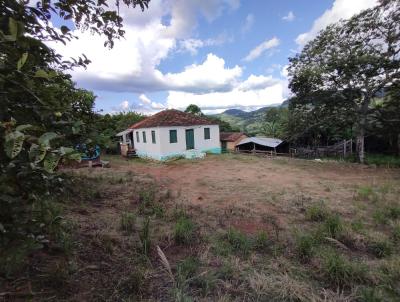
(225, 228)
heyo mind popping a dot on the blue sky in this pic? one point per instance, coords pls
(217, 54)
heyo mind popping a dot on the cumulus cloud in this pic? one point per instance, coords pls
(254, 82)
(289, 17)
(260, 49)
(210, 75)
(236, 98)
(341, 9)
(248, 23)
(132, 65)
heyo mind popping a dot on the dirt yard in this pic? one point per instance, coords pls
(263, 187)
(224, 228)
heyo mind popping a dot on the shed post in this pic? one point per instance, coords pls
(344, 148)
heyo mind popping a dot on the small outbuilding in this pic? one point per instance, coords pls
(262, 144)
(229, 140)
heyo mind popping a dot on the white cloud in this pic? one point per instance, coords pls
(132, 65)
(341, 9)
(192, 45)
(289, 17)
(144, 99)
(260, 49)
(257, 82)
(124, 105)
(248, 23)
(210, 75)
(236, 98)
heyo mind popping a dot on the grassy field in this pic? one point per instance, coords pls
(227, 228)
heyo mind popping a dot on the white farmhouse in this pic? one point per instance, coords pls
(171, 133)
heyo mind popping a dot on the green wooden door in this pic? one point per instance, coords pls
(224, 146)
(189, 139)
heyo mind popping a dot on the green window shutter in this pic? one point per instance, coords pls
(206, 133)
(173, 138)
(153, 136)
(137, 136)
(144, 136)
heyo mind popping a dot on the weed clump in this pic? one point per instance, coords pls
(317, 212)
(184, 230)
(380, 248)
(127, 223)
(333, 226)
(305, 246)
(239, 242)
(261, 241)
(339, 271)
(144, 236)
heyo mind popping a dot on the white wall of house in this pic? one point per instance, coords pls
(163, 149)
(148, 148)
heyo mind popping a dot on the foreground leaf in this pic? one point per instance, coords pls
(13, 144)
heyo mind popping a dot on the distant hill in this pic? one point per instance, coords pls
(249, 122)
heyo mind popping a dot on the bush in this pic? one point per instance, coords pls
(388, 212)
(339, 271)
(317, 212)
(380, 248)
(383, 160)
(305, 246)
(127, 222)
(239, 241)
(184, 230)
(333, 225)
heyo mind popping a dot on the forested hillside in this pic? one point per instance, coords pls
(252, 122)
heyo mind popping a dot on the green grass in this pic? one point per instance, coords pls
(127, 223)
(317, 212)
(389, 161)
(261, 241)
(380, 248)
(305, 246)
(184, 230)
(333, 226)
(367, 193)
(339, 271)
(239, 242)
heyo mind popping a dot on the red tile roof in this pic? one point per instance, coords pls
(231, 136)
(172, 117)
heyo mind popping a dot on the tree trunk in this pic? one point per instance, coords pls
(398, 144)
(362, 125)
(360, 147)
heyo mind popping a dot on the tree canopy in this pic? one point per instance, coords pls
(339, 73)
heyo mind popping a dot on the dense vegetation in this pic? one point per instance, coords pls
(42, 114)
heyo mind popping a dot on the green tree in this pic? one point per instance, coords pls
(352, 60)
(275, 123)
(194, 109)
(41, 111)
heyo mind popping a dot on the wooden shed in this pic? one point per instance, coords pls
(262, 144)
